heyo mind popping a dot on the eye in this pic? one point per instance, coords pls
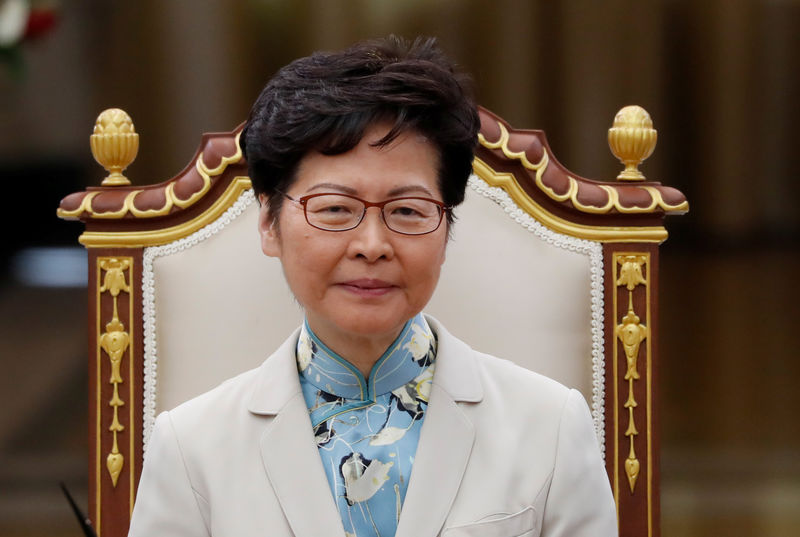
(333, 209)
(406, 211)
(412, 209)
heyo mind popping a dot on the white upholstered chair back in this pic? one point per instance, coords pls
(509, 287)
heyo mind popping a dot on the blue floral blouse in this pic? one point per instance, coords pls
(367, 430)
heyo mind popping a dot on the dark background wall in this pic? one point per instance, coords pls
(719, 78)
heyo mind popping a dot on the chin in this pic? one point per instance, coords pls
(371, 323)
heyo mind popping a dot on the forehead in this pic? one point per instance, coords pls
(410, 160)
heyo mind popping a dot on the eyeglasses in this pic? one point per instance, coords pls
(341, 212)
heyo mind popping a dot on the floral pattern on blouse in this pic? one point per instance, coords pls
(367, 430)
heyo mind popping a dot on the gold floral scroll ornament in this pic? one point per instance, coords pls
(115, 341)
(631, 332)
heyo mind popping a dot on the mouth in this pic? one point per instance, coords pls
(367, 287)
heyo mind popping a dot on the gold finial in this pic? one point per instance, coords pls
(632, 139)
(114, 144)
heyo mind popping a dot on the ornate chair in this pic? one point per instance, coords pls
(180, 296)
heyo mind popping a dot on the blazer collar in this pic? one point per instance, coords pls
(446, 440)
(277, 380)
(456, 372)
(288, 450)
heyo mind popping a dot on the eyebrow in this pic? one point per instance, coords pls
(408, 189)
(333, 186)
(399, 191)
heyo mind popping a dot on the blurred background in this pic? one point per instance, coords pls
(717, 77)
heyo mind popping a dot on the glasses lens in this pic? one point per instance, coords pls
(412, 216)
(334, 212)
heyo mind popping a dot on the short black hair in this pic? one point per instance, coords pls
(325, 102)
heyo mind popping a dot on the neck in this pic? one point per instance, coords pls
(362, 351)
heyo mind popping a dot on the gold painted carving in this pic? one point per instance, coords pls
(114, 144)
(170, 198)
(630, 273)
(507, 182)
(115, 341)
(138, 239)
(571, 195)
(631, 333)
(632, 139)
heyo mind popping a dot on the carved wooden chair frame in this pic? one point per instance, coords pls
(625, 217)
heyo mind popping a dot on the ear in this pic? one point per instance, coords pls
(270, 242)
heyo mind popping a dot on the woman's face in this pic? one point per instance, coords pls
(367, 281)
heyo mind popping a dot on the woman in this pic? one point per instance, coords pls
(371, 419)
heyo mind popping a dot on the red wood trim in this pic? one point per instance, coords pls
(91, 356)
(638, 511)
(110, 505)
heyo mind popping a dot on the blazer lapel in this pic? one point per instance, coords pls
(289, 451)
(445, 441)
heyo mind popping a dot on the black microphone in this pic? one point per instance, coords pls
(83, 520)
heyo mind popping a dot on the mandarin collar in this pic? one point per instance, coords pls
(410, 353)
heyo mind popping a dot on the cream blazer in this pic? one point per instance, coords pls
(503, 452)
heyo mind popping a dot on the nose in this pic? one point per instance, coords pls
(371, 240)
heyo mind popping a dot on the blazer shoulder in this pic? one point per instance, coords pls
(229, 395)
(469, 375)
(530, 397)
(503, 373)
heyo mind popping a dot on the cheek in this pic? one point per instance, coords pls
(308, 263)
(427, 268)
(303, 282)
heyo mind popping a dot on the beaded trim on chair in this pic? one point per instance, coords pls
(594, 251)
(149, 304)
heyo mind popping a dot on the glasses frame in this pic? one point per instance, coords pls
(303, 200)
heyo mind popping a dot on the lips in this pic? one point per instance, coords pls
(368, 287)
